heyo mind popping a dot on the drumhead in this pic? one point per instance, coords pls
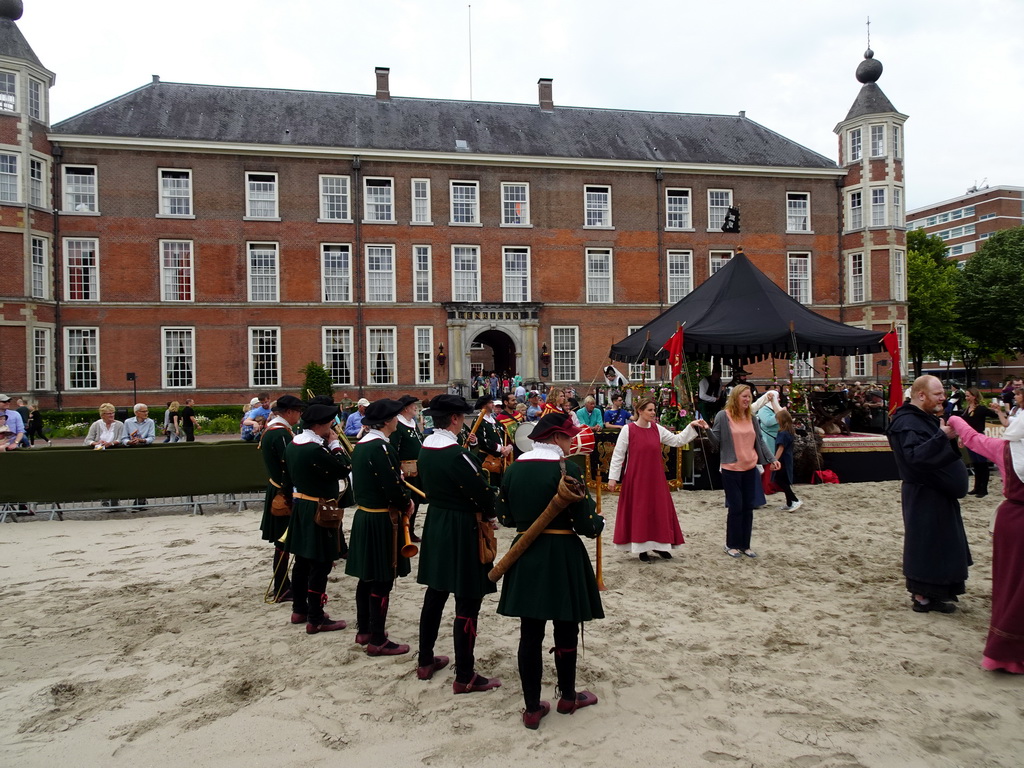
(522, 438)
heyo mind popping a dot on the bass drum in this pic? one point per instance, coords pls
(522, 438)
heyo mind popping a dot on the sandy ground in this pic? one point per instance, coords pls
(143, 640)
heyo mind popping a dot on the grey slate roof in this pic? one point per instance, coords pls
(14, 44)
(186, 112)
(870, 101)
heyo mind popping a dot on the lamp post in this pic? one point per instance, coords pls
(130, 376)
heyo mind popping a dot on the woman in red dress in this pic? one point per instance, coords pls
(1004, 648)
(646, 519)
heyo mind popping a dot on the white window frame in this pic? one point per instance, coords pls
(271, 197)
(10, 180)
(424, 199)
(565, 354)
(165, 198)
(901, 343)
(471, 216)
(635, 370)
(857, 278)
(95, 355)
(457, 293)
(800, 286)
(594, 209)
(877, 135)
(715, 209)
(879, 209)
(271, 279)
(94, 269)
(189, 357)
(385, 332)
(508, 279)
(856, 211)
(37, 192)
(346, 352)
(858, 364)
(680, 281)
(683, 214)
(384, 278)
(423, 338)
(897, 140)
(9, 100)
(508, 214)
(340, 198)
(899, 275)
(36, 103)
(378, 205)
(42, 362)
(794, 214)
(422, 278)
(272, 331)
(344, 277)
(177, 275)
(721, 257)
(39, 254)
(83, 207)
(855, 138)
(599, 283)
(897, 207)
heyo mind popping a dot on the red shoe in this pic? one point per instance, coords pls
(388, 649)
(478, 683)
(583, 699)
(284, 597)
(427, 672)
(532, 719)
(327, 626)
(363, 638)
(300, 618)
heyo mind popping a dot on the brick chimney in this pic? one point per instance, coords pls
(383, 87)
(544, 92)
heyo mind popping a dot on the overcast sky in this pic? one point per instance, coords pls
(956, 68)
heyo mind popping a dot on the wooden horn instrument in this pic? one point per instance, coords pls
(408, 548)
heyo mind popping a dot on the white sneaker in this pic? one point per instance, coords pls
(794, 506)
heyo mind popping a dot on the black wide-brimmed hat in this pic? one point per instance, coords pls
(320, 400)
(481, 402)
(447, 404)
(288, 403)
(407, 400)
(381, 410)
(553, 424)
(319, 413)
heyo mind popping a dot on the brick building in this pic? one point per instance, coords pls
(213, 240)
(966, 222)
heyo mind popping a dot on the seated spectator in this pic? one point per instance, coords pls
(5, 431)
(616, 417)
(533, 410)
(259, 406)
(15, 425)
(106, 432)
(590, 415)
(354, 423)
(139, 430)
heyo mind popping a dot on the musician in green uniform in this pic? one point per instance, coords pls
(317, 468)
(553, 579)
(408, 439)
(382, 499)
(275, 438)
(494, 440)
(461, 502)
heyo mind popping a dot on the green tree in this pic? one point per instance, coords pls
(932, 281)
(318, 380)
(991, 295)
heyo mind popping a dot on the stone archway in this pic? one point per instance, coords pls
(498, 353)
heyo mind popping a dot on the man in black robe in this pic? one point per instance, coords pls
(935, 551)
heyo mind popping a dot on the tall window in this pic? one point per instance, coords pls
(424, 354)
(858, 364)
(465, 202)
(565, 352)
(82, 352)
(264, 357)
(799, 268)
(680, 274)
(515, 276)
(856, 275)
(640, 371)
(9, 186)
(80, 189)
(718, 259)
(599, 275)
(899, 276)
(878, 217)
(856, 210)
(901, 342)
(877, 140)
(338, 355)
(263, 272)
(336, 271)
(175, 192)
(179, 358)
(897, 208)
(39, 270)
(334, 198)
(261, 195)
(897, 139)
(856, 144)
(515, 204)
(719, 202)
(465, 273)
(378, 200)
(37, 183)
(176, 270)
(35, 99)
(380, 355)
(597, 206)
(81, 269)
(41, 338)
(798, 212)
(421, 278)
(8, 92)
(677, 209)
(380, 273)
(421, 201)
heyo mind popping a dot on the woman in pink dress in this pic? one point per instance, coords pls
(646, 519)
(1004, 648)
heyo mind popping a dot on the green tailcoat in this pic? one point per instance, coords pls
(449, 558)
(272, 447)
(377, 484)
(554, 578)
(314, 471)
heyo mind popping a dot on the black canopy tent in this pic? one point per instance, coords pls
(740, 314)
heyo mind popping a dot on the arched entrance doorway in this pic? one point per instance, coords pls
(493, 350)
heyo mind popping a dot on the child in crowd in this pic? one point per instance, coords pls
(784, 455)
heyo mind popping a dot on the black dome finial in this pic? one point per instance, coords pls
(11, 9)
(869, 70)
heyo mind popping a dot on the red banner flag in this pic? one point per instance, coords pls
(892, 346)
(674, 347)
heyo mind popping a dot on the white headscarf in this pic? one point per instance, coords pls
(1014, 433)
